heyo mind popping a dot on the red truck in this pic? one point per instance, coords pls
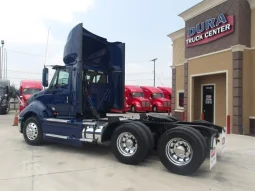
(135, 98)
(167, 93)
(27, 89)
(156, 96)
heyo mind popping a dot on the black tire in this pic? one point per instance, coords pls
(154, 109)
(189, 137)
(39, 138)
(148, 132)
(143, 143)
(133, 109)
(201, 137)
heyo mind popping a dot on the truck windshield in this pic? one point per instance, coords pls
(30, 91)
(158, 95)
(138, 94)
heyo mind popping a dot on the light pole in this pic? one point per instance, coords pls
(154, 60)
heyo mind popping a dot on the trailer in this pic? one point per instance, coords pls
(73, 107)
(4, 97)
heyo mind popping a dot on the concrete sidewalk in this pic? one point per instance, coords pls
(54, 167)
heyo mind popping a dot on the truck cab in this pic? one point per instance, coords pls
(89, 84)
(27, 89)
(135, 98)
(167, 93)
(4, 96)
(156, 96)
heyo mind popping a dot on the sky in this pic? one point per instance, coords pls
(143, 25)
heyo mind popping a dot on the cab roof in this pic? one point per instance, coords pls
(168, 89)
(152, 89)
(4, 83)
(31, 84)
(133, 88)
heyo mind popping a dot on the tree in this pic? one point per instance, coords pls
(13, 91)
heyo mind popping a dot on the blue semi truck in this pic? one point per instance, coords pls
(73, 107)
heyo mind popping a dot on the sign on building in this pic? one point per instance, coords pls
(210, 30)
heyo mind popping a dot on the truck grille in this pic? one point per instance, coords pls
(145, 104)
(167, 103)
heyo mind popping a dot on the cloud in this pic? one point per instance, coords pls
(24, 21)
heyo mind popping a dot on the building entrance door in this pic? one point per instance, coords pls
(208, 102)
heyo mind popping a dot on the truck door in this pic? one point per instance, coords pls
(60, 91)
(99, 90)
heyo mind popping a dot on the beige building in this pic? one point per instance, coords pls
(213, 70)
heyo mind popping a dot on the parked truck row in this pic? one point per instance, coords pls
(72, 109)
(147, 99)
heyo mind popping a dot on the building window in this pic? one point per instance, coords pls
(180, 99)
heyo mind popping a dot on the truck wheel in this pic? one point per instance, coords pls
(181, 151)
(133, 109)
(202, 139)
(32, 131)
(148, 132)
(130, 143)
(154, 109)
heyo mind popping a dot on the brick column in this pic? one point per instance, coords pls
(237, 127)
(173, 90)
(186, 90)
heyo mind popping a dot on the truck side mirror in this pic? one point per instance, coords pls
(45, 76)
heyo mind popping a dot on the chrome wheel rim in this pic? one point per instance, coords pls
(179, 151)
(127, 144)
(154, 109)
(32, 131)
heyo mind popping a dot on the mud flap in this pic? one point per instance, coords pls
(223, 141)
(213, 153)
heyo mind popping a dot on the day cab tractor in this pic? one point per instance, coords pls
(73, 108)
(4, 96)
(156, 96)
(167, 93)
(135, 98)
(27, 89)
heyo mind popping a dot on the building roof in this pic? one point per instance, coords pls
(199, 8)
(196, 10)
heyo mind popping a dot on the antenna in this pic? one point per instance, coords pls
(46, 47)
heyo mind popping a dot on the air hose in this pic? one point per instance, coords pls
(91, 105)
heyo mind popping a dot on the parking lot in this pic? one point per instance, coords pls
(54, 167)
